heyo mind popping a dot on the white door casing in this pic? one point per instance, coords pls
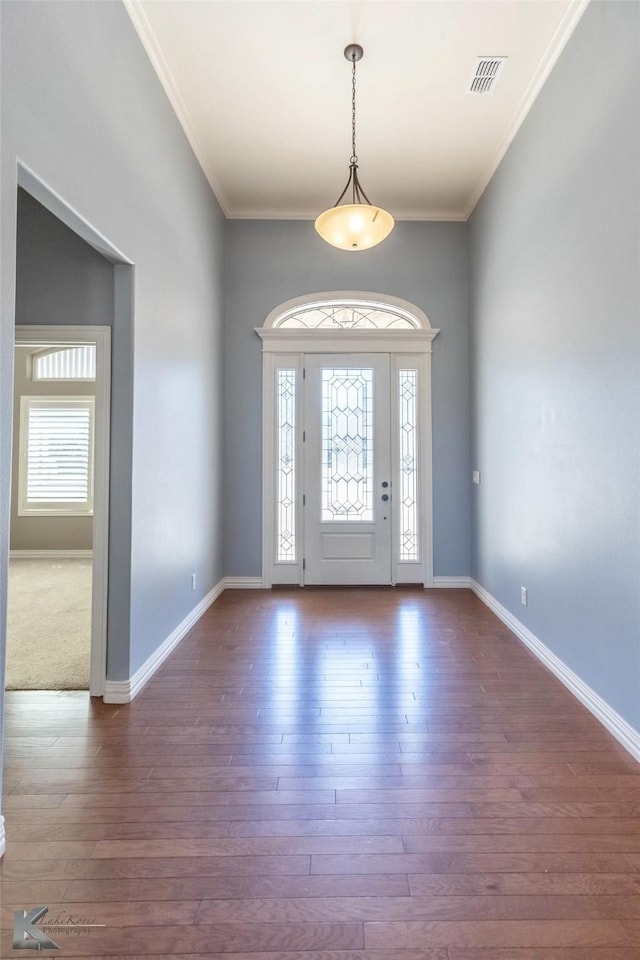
(287, 349)
(100, 336)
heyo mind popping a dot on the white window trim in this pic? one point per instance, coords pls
(286, 347)
(52, 508)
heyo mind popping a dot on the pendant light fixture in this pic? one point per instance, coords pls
(357, 225)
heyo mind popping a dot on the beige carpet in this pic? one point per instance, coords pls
(49, 625)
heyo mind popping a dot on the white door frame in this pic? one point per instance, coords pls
(286, 346)
(100, 336)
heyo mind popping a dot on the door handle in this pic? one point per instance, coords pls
(384, 483)
(385, 497)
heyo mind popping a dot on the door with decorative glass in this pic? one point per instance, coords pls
(347, 470)
(347, 441)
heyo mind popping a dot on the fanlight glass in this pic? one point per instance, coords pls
(346, 316)
(354, 226)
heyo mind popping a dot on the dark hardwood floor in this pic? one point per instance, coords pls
(355, 774)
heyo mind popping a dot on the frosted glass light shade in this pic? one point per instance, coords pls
(354, 226)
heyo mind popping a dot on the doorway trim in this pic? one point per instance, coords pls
(100, 336)
(289, 345)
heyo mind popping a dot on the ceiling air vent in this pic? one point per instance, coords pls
(487, 72)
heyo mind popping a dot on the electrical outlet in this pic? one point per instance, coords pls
(523, 596)
(194, 581)
(475, 476)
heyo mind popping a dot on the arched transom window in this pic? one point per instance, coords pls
(346, 316)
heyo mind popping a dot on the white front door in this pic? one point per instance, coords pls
(347, 469)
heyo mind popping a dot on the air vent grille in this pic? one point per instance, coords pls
(488, 70)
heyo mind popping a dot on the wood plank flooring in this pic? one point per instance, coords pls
(351, 774)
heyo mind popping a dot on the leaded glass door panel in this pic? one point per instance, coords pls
(347, 469)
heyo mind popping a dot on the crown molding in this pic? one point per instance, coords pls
(547, 62)
(421, 216)
(153, 50)
(159, 63)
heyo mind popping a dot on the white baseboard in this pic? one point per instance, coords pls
(2, 837)
(243, 583)
(124, 691)
(452, 583)
(608, 717)
(50, 554)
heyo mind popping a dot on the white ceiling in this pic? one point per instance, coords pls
(263, 92)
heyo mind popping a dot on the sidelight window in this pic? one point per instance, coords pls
(408, 472)
(286, 467)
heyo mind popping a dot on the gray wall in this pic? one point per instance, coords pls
(60, 279)
(556, 338)
(83, 109)
(33, 532)
(269, 262)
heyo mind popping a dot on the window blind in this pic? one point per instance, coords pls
(72, 363)
(59, 440)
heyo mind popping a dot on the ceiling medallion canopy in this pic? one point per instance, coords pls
(357, 225)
